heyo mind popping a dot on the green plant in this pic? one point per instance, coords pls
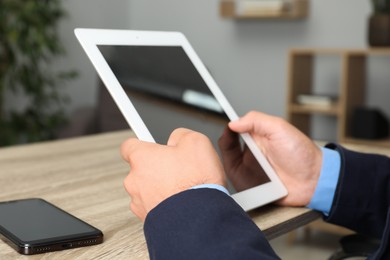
(381, 6)
(28, 43)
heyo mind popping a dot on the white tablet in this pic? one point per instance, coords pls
(159, 84)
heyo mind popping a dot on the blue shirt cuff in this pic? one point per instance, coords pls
(326, 187)
(212, 186)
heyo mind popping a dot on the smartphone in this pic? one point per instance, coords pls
(33, 226)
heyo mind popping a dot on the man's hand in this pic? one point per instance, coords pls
(294, 157)
(240, 165)
(160, 171)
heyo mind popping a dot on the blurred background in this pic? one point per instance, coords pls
(247, 57)
(49, 89)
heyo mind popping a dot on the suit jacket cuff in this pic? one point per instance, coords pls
(203, 224)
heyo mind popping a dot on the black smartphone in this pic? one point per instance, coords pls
(33, 226)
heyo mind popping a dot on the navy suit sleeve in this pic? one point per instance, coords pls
(362, 198)
(203, 224)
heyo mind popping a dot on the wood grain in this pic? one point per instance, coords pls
(84, 176)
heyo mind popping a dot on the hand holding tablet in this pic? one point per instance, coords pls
(188, 160)
(160, 84)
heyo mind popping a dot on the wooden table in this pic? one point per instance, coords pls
(84, 176)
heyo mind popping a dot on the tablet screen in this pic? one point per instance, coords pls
(168, 92)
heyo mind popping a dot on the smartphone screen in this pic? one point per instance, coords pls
(33, 226)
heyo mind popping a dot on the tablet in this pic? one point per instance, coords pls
(159, 83)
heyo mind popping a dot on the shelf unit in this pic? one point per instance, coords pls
(351, 90)
(298, 9)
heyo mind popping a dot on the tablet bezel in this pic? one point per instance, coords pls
(90, 39)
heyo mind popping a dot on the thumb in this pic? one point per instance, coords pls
(253, 122)
(241, 126)
(246, 123)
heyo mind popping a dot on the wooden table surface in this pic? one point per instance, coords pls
(84, 176)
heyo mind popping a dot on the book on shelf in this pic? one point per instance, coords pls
(261, 7)
(316, 100)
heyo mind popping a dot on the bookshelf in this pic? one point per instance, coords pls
(351, 92)
(247, 9)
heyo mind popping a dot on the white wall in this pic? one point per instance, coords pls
(247, 58)
(89, 14)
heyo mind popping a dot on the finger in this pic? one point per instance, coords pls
(133, 147)
(230, 147)
(244, 124)
(129, 184)
(128, 146)
(177, 135)
(138, 209)
(133, 190)
(228, 139)
(254, 122)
